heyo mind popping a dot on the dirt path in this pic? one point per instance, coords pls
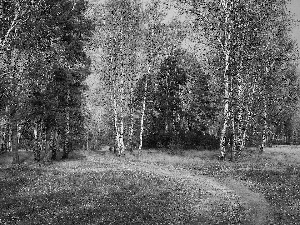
(255, 202)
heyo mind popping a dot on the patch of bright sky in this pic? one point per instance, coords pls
(294, 7)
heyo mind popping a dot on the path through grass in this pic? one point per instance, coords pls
(188, 187)
(102, 189)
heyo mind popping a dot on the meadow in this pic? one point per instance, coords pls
(155, 186)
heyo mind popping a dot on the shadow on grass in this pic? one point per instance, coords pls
(125, 205)
(73, 156)
(7, 157)
(41, 196)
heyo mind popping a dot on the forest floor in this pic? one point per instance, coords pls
(154, 187)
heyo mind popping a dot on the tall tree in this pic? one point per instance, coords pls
(242, 33)
(119, 27)
(47, 35)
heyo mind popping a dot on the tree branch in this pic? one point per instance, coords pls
(12, 26)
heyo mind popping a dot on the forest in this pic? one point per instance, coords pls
(149, 112)
(138, 74)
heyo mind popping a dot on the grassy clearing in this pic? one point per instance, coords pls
(156, 187)
(275, 174)
(90, 192)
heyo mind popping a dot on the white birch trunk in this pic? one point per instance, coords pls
(233, 138)
(265, 126)
(12, 27)
(14, 141)
(226, 50)
(67, 129)
(116, 123)
(87, 141)
(240, 110)
(248, 114)
(143, 114)
(265, 113)
(226, 111)
(131, 121)
(121, 137)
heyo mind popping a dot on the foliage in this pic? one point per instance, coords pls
(45, 65)
(251, 55)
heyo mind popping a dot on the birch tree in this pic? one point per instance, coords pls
(242, 33)
(119, 27)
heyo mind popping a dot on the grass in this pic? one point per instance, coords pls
(275, 174)
(49, 196)
(98, 188)
(280, 184)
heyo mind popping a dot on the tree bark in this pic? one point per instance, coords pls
(67, 144)
(48, 152)
(7, 138)
(87, 141)
(131, 121)
(14, 141)
(54, 145)
(248, 115)
(226, 49)
(121, 138)
(143, 113)
(226, 111)
(238, 135)
(119, 129)
(233, 137)
(265, 126)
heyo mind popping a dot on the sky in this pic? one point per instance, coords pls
(295, 9)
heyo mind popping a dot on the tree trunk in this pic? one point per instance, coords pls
(226, 111)
(265, 126)
(67, 145)
(238, 138)
(87, 141)
(233, 138)
(14, 141)
(248, 114)
(143, 113)
(131, 122)
(48, 152)
(119, 130)
(121, 144)
(54, 146)
(131, 144)
(8, 137)
(37, 149)
(7, 131)
(226, 49)
(244, 133)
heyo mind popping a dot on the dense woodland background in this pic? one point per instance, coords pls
(132, 74)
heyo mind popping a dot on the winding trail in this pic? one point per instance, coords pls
(255, 202)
